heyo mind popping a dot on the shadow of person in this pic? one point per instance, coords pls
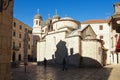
(61, 52)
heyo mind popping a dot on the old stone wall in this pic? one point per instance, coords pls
(6, 16)
(91, 53)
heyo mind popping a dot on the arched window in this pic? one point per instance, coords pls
(36, 22)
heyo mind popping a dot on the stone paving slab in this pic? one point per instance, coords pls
(35, 72)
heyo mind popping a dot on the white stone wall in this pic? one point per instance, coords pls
(75, 44)
(58, 43)
(41, 51)
(105, 32)
(47, 49)
(36, 30)
(91, 52)
(106, 36)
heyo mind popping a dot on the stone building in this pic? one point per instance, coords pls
(115, 34)
(18, 33)
(57, 38)
(102, 30)
(6, 16)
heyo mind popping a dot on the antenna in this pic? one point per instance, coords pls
(56, 12)
(38, 11)
(48, 16)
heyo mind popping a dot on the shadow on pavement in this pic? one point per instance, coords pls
(35, 72)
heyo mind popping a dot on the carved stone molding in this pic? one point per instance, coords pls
(5, 4)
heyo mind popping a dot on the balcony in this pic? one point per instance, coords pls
(16, 48)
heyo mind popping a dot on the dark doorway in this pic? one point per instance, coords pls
(13, 56)
(29, 58)
(117, 58)
(19, 57)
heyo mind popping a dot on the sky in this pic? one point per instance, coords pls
(80, 10)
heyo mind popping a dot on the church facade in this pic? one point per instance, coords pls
(58, 38)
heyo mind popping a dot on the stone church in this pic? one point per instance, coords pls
(57, 38)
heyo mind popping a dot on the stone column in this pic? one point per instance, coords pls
(6, 17)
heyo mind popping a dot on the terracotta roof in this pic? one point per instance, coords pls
(95, 21)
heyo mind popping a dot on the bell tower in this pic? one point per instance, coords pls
(37, 28)
(116, 8)
(115, 19)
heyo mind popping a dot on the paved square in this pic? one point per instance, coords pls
(35, 72)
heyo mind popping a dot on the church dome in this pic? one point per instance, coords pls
(66, 22)
(37, 16)
(66, 18)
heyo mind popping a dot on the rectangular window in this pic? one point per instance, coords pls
(29, 46)
(71, 51)
(25, 29)
(19, 35)
(30, 31)
(14, 24)
(14, 33)
(36, 22)
(13, 44)
(116, 38)
(20, 45)
(101, 37)
(101, 27)
(20, 27)
(42, 30)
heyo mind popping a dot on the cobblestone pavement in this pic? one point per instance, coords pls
(35, 72)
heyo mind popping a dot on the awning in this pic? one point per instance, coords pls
(118, 45)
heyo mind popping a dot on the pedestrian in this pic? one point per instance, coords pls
(64, 64)
(45, 62)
